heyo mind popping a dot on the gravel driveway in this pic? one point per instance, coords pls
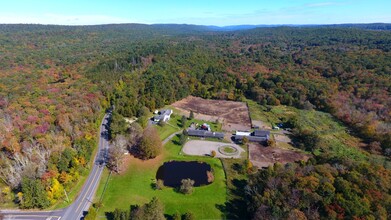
(202, 148)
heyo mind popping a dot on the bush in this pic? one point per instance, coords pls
(249, 166)
(161, 123)
(159, 185)
(187, 186)
(176, 216)
(210, 175)
(188, 216)
(270, 143)
(213, 153)
(245, 140)
(154, 210)
(91, 214)
(97, 205)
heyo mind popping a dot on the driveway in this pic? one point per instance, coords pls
(202, 148)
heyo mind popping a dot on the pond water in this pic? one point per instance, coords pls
(173, 172)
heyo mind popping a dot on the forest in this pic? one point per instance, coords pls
(57, 81)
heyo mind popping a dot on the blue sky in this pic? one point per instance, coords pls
(204, 12)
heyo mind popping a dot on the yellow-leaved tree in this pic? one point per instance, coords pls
(55, 191)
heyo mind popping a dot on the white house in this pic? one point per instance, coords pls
(164, 115)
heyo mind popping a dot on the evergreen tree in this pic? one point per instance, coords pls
(34, 194)
(183, 121)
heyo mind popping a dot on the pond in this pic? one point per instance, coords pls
(173, 172)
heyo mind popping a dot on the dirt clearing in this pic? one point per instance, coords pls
(282, 138)
(262, 124)
(261, 156)
(233, 115)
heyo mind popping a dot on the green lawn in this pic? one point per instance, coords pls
(228, 149)
(135, 187)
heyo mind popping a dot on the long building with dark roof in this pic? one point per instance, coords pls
(259, 136)
(204, 133)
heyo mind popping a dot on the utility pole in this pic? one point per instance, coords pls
(66, 195)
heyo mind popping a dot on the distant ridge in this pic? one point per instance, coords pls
(186, 28)
(369, 26)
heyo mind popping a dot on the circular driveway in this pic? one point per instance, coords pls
(204, 148)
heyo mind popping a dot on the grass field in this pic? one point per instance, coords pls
(333, 134)
(135, 186)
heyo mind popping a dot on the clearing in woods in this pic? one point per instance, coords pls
(233, 115)
(261, 156)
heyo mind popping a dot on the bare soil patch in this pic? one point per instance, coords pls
(261, 124)
(261, 156)
(282, 138)
(233, 115)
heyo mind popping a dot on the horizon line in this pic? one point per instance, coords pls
(205, 25)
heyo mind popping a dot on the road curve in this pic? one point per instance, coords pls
(83, 201)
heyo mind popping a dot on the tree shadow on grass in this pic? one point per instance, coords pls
(235, 207)
(109, 215)
(175, 140)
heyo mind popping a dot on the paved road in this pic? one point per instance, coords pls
(80, 206)
(170, 137)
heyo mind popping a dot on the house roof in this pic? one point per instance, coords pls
(261, 133)
(166, 112)
(243, 133)
(252, 138)
(162, 113)
(204, 133)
